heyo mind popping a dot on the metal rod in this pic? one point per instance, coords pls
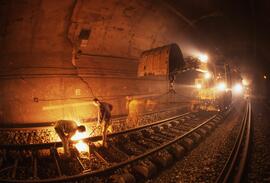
(92, 139)
(227, 170)
(246, 146)
(119, 151)
(56, 157)
(78, 159)
(14, 169)
(89, 173)
(100, 157)
(34, 165)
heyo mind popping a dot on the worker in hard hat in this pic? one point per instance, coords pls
(104, 118)
(65, 130)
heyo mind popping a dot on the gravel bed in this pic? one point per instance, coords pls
(259, 163)
(205, 162)
(47, 134)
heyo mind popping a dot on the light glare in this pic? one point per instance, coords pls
(245, 82)
(79, 135)
(221, 86)
(207, 75)
(203, 58)
(198, 86)
(238, 88)
(82, 147)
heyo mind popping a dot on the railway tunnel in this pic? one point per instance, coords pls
(171, 79)
(63, 54)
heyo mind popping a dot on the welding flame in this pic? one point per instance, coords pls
(82, 147)
(79, 135)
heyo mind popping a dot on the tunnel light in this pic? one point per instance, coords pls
(203, 58)
(207, 75)
(245, 82)
(221, 86)
(198, 86)
(82, 147)
(238, 88)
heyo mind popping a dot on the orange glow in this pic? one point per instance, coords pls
(51, 107)
(81, 135)
(203, 58)
(198, 86)
(245, 82)
(110, 130)
(78, 135)
(207, 75)
(82, 147)
(97, 143)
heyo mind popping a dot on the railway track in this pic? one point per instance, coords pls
(236, 163)
(132, 154)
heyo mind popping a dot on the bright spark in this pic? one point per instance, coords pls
(82, 147)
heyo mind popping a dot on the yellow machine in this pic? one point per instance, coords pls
(206, 94)
(214, 87)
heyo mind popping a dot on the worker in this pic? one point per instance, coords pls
(132, 106)
(65, 130)
(104, 118)
(172, 78)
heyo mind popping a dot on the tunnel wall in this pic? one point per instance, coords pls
(39, 79)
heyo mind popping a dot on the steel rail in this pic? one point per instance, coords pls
(88, 174)
(42, 125)
(91, 139)
(238, 155)
(35, 147)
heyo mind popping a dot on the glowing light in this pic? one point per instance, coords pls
(207, 75)
(52, 107)
(198, 86)
(79, 135)
(221, 86)
(203, 58)
(82, 147)
(110, 129)
(237, 88)
(245, 82)
(265, 77)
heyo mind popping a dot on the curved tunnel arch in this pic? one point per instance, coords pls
(161, 61)
(176, 59)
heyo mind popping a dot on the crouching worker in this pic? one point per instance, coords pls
(104, 118)
(65, 130)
